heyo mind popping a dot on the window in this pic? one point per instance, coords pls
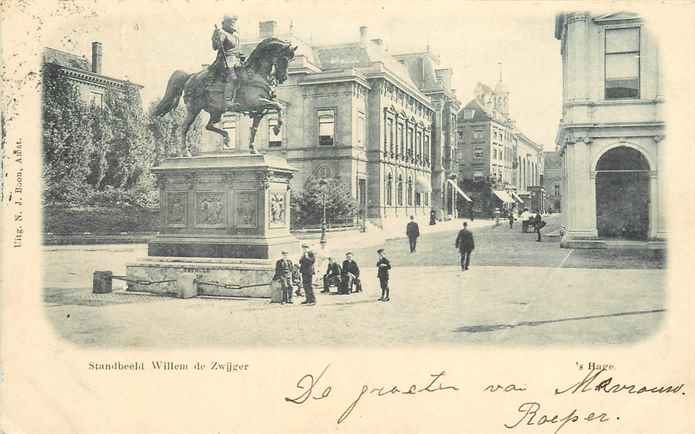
(229, 125)
(477, 135)
(419, 145)
(399, 191)
(389, 136)
(409, 151)
(96, 99)
(557, 189)
(410, 190)
(389, 190)
(468, 114)
(622, 63)
(478, 153)
(427, 147)
(399, 139)
(274, 140)
(418, 199)
(361, 130)
(326, 127)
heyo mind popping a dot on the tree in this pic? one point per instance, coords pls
(308, 204)
(67, 144)
(166, 130)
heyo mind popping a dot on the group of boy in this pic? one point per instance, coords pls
(345, 278)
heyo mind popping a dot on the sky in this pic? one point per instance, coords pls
(146, 45)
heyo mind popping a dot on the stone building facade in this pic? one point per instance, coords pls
(92, 85)
(497, 162)
(552, 180)
(356, 112)
(611, 135)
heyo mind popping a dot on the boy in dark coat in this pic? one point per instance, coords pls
(306, 268)
(383, 266)
(332, 276)
(283, 273)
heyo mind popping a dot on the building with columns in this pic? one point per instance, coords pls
(611, 135)
(357, 112)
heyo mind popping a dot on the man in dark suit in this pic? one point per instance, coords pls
(332, 276)
(283, 273)
(412, 230)
(383, 266)
(351, 274)
(538, 224)
(465, 244)
(306, 268)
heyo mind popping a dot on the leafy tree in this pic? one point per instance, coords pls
(67, 144)
(308, 204)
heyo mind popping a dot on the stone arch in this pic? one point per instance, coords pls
(642, 150)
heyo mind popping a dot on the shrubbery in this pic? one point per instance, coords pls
(307, 205)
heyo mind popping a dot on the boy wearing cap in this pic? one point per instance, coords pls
(332, 276)
(283, 273)
(383, 266)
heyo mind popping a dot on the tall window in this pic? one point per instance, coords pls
(229, 125)
(96, 99)
(622, 63)
(274, 140)
(361, 130)
(410, 190)
(557, 189)
(427, 147)
(399, 191)
(388, 136)
(399, 139)
(326, 127)
(409, 152)
(389, 190)
(419, 144)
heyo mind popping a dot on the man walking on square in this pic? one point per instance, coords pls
(306, 268)
(383, 266)
(412, 230)
(465, 244)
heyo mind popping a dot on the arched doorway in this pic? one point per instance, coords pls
(622, 194)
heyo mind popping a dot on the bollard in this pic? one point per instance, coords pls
(102, 282)
(186, 287)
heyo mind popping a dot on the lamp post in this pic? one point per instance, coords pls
(324, 185)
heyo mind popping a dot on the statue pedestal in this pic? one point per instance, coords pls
(225, 218)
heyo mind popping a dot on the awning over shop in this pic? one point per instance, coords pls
(504, 196)
(422, 185)
(459, 191)
(516, 196)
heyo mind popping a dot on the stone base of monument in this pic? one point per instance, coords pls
(213, 276)
(225, 220)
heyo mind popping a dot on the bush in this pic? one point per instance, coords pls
(62, 220)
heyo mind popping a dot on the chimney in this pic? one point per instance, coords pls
(363, 34)
(266, 29)
(96, 57)
(444, 77)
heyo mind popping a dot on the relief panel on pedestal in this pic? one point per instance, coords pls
(209, 209)
(246, 209)
(176, 209)
(278, 208)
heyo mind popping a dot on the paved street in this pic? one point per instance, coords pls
(517, 292)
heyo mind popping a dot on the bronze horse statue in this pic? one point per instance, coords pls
(265, 68)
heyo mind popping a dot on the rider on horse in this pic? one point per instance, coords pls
(226, 42)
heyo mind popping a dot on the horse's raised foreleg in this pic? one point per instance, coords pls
(273, 105)
(215, 118)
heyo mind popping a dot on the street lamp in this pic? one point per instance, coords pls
(324, 185)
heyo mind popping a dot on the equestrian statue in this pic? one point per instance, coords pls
(230, 84)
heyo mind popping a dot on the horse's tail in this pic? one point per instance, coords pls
(175, 86)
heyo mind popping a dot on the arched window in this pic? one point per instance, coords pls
(389, 190)
(410, 190)
(399, 192)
